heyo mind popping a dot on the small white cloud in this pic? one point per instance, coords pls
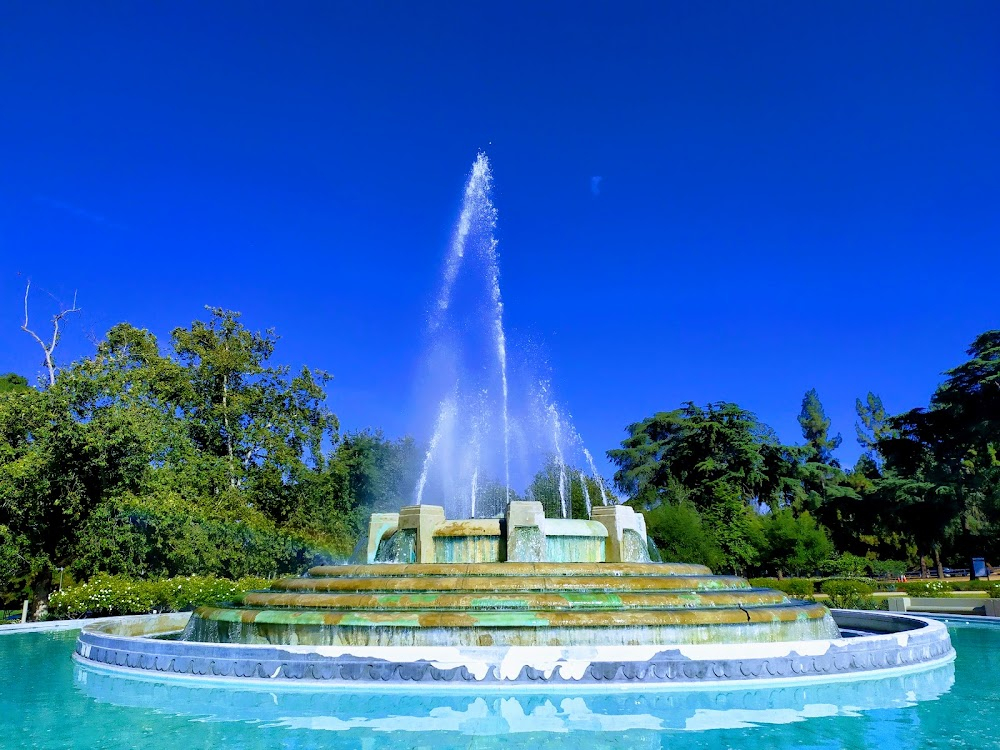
(595, 184)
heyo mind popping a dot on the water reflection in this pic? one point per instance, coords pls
(456, 714)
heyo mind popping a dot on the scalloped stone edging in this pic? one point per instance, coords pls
(900, 642)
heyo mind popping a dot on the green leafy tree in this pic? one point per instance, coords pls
(680, 534)
(873, 426)
(12, 382)
(941, 471)
(141, 461)
(578, 487)
(816, 429)
(718, 458)
(794, 544)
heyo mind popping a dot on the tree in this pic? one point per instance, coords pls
(826, 492)
(721, 460)
(680, 534)
(941, 471)
(13, 382)
(794, 544)
(696, 448)
(141, 461)
(577, 486)
(816, 429)
(872, 427)
(261, 424)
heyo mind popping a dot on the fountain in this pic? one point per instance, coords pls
(520, 599)
(508, 595)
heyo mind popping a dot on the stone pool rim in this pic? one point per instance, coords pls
(902, 644)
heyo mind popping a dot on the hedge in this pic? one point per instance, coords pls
(846, 593)
(797, 587)
(118, 595)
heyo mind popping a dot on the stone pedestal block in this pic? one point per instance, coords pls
(617, 519)
(525, 537)
(380, 527)
(424, 519)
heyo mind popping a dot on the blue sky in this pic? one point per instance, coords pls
(698, 201)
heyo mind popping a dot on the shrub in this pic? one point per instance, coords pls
(847, 593)
(843, 586)
(979, 585)
(926, 588)
(847, 565)
(117, 595)
(888, 568)
(797, 587)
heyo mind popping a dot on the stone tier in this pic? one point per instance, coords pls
(511, 604)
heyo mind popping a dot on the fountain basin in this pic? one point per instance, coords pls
(891, 643)
(569, 603)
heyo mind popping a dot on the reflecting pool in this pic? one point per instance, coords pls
(49, 701)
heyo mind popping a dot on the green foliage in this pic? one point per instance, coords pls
(681, 535)
(794, 544)
(201, 458)
(941, 477)
(847, 565)
(544, 488)
(848, 594)
(873, 425)
(163, 534)
(11, 381)
(926, 588)
(816, 428)
(844, 586)
(800, 588)
(117, 595)
(979, 585)
(888, 568)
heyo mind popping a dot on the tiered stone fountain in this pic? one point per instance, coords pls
(523, 599)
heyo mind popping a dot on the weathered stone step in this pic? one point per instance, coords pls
(547, 601)
(508, 569)
(500, 584)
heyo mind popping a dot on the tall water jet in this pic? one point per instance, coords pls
(475, 202)
(475, 483)
(501, 344)
(586, 494)
(557, 444)
(598, 477)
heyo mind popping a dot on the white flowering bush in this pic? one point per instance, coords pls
(116, 595)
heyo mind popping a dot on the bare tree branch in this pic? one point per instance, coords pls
(56, 319)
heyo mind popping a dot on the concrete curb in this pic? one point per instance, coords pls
(56, 625)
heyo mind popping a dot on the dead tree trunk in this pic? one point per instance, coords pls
(49, 348)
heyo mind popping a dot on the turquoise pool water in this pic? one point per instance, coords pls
(48, 701)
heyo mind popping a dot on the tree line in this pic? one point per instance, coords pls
(719, 487)
(199, 455)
